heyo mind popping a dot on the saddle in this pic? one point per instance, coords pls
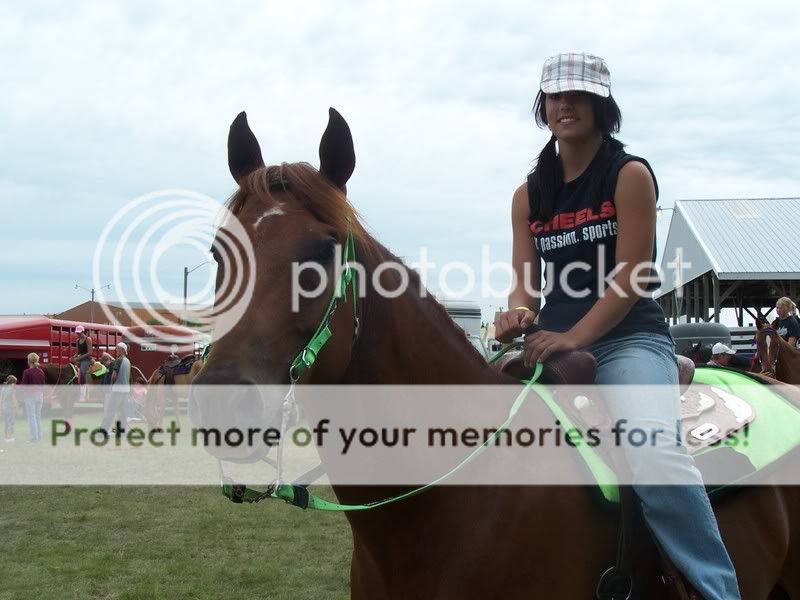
(707, 416)
(173, 366)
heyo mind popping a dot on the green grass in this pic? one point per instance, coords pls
(159, 542)
(164, 543)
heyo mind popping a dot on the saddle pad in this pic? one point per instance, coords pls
(774, 434)
(99, 372)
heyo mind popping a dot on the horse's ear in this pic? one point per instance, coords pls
(337, 159)
(244, 153)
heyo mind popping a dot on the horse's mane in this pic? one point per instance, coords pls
(328, 204)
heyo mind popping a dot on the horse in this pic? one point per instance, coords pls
(160, 387)
(450, 541)
(787, 357)
(65, 379)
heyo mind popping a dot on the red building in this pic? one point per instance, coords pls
(55, 341)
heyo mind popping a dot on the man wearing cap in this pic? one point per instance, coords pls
(120, 390)
(720, 355)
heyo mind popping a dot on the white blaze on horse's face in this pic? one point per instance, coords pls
(275, 211)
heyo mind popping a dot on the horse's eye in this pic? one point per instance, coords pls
(323, 251)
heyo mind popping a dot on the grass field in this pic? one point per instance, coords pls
(164, 543)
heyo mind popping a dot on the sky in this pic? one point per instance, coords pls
(104, 102)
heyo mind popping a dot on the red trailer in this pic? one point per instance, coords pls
(55, 341)
(149, 346)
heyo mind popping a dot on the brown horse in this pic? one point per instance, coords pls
(787, 357)
(450, 542)
(66, 388)
(162, 385)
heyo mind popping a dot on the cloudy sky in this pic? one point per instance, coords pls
(103, 102)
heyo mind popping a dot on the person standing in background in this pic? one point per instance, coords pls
(33, 395)
(120, 390)
(8, 406)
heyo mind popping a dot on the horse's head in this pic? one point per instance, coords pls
(297, 220)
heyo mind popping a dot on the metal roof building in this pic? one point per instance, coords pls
(740, 254)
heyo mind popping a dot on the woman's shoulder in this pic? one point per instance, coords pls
(629, 170)
(634, 172)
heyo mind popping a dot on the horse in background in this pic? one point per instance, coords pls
(787, 357)
(173, 374)
(64, 386)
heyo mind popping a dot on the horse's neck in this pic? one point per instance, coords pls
(411, 340)
(408, 340)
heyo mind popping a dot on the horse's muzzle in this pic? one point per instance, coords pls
(230, 415)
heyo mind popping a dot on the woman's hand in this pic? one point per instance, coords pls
(540, 345)
(512, 323)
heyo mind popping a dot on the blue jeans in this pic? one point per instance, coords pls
(83, 366)
(115, 408)
(33, 408)
(679, 516)
(9, 418)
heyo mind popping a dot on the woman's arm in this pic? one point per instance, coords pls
(635, 200)
(526, 267)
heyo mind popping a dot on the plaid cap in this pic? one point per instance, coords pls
(576, 71)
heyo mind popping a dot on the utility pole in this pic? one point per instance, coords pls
(186, 271)
(92, 292)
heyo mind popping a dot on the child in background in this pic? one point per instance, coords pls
(8, 406)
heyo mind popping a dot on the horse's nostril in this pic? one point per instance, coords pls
(237, 405)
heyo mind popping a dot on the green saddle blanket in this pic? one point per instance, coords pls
(100, 372)
(774, 433)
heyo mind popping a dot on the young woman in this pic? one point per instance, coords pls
(83, 357)
(33, 385)
(786, 326)
(588, 211)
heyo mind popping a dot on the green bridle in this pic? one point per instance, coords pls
(298, 495)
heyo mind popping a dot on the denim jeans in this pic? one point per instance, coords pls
(33, 408)
(115, 407)
(83, 366)
(9, 418)
(679, 516)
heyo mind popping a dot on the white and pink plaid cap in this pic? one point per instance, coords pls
(576, 72)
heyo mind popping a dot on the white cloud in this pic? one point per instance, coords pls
(105, 101)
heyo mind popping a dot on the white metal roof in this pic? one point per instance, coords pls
(753, 238)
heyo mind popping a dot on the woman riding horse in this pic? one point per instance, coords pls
(783, 334)
(451, 541)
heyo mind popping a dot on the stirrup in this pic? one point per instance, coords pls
(614, 584)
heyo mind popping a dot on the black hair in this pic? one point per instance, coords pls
(548, 177)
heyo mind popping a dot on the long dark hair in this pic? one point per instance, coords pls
(548, 177)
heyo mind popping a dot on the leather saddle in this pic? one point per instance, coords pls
(708, 415)
(576, 368)
(175, 365)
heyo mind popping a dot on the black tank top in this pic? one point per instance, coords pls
(83, 347)
(578, 248)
